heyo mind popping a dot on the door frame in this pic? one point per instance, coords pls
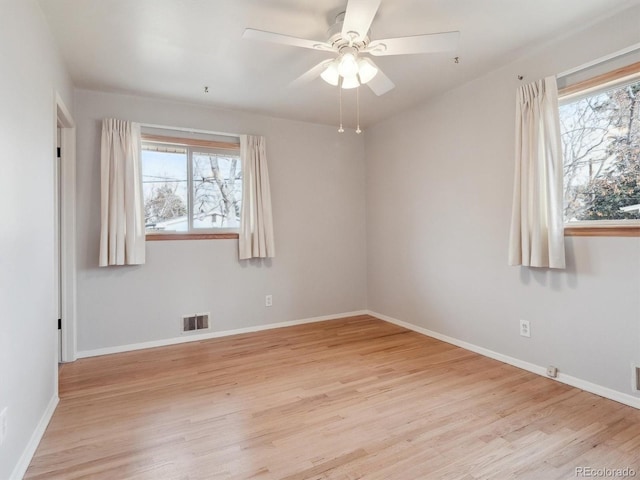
(67, 199)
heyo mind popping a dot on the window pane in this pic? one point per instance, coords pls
(601, 147)
(217, 190)
(164, 182)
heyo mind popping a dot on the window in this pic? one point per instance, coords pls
(600, 133)
(191, 187)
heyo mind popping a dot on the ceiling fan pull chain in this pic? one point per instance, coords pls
(341, 129)
(358, 109)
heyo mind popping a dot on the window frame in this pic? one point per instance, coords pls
(601, 228)
(191, 146)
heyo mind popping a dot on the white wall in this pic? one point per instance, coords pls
(318, 196)
(30, 71)
(439, 186)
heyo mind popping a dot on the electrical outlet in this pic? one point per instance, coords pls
(3, 425)
(525, 328)
(552, 371)
(268, 300)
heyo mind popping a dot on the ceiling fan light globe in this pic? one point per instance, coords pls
(348, 65)
(331, 75)
(350, 82)
(366, 70)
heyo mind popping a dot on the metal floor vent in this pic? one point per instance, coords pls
(191, 323)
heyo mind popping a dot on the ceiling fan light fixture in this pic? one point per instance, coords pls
(366, 70)
(350, 82)
(331, 75)
(348, 65)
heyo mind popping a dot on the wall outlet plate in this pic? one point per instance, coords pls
(525, 328)
(268, 300)
(552, 371)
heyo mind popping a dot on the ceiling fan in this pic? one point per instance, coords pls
(348, 39)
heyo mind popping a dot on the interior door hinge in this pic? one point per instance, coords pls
(59, 324)
(58, 152)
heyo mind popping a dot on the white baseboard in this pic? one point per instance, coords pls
(208, 335)
(25, 459)
(531, 367)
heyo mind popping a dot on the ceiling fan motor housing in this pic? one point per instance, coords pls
(337, 41)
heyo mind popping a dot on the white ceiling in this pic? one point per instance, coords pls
(173, 48)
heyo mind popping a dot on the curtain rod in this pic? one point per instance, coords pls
(189, 130)
(584, 66)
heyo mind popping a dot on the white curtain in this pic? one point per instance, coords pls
(537, 227)
(256, 224)
(122, 236)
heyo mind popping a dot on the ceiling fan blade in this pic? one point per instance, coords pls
(435, 42)
(380, 84)
(358, 18)
(272, 37)
(311, 74)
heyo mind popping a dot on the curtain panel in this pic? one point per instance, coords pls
(122, 235)
(537, 226)
(256, 223)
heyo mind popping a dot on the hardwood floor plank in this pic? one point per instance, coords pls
(343, 399)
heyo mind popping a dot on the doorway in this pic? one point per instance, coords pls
(57, 243)
(65, 231)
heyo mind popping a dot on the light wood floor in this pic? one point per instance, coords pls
(345, 399)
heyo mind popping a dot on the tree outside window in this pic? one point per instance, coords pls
(601, 147)
(189, 189)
